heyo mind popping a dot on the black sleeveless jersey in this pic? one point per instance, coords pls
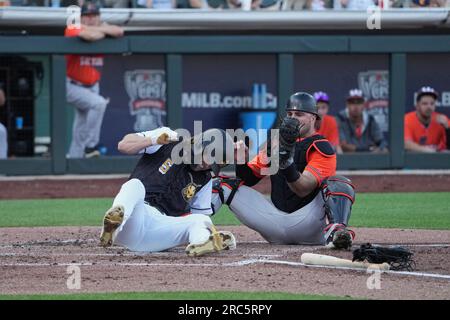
(282, 196)
(169, 187)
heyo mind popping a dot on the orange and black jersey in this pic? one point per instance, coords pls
(314, 154)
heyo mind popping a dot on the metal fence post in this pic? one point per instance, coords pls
(174, 69)
(397, 100)
(58, 113)
(285, 79)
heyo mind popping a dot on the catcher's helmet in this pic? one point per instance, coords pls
(223, 147)
(302, 101)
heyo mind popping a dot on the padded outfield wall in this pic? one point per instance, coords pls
(174, 79)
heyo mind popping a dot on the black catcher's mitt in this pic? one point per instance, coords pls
(399, 258)
(289, 133)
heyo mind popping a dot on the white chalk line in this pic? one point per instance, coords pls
(128, 264)
(130, 254)
(228, 264)
(85, 241)
(407, 273)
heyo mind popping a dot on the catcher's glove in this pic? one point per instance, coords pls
(289, 133)
(399, 258)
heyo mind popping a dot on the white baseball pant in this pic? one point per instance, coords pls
(145, 228)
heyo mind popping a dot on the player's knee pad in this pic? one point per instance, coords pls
(339, 195)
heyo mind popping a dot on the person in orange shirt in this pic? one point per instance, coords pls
(444, 121)
(423, 132)
(82, 83)
(327, 126)
(302, 209)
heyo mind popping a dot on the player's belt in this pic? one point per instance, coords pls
(82, 84)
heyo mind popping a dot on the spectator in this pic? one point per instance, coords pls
(358, 130)
(321, 4)
(444, 121)
(83, 83)
(424, 129)
(116, 3)
(157, 4)
(3, 131)
(191, 4)
(236, 4)
(327, 127)
(426, 3)
(68, 3)
(296, 5)
(270, 5)
(233, 4)
(361, 5)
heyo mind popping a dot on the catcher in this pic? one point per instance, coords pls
(309, 205)
(165, 204)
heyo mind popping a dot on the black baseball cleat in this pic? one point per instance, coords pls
(112, 220)
(338, 236)
(91, 153)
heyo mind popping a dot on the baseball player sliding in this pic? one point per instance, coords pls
(164, 204)
(309, 205)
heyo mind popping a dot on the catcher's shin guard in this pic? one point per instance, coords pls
(112, 220)
(339, 196)
(218, 241)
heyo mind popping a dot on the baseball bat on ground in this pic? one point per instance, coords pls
(324, 260)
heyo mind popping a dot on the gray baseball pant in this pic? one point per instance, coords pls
(3, 142)
(304, 226)
(90, 108)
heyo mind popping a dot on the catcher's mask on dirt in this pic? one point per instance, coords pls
(214, 147)
(339, 196)
(302, 101)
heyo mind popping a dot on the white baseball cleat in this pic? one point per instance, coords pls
(112, 220)
(218, 241)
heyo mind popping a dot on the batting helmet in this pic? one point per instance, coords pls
(302, 101)
(221, 144)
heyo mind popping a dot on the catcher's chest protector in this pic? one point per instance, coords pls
(339, 196)
(282, 196)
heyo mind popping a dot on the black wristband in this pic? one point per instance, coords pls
(290, 173)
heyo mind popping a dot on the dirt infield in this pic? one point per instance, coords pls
(35, 260)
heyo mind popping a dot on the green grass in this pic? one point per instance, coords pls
(184, 295)
(387, 210)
